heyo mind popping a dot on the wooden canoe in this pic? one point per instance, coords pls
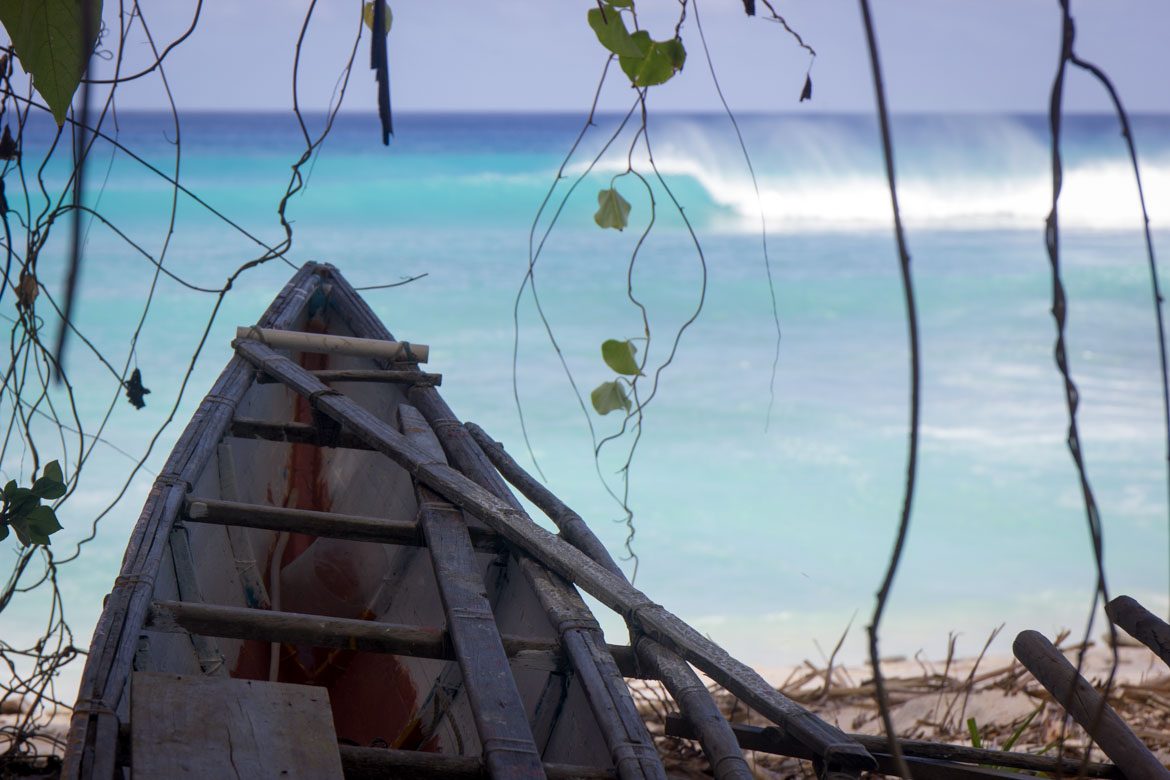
(295, 603)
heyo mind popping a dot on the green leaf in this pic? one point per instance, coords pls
(656, 61)
(973, 730)
(51, 45)
(47, 488)
(41, 522)
(613, 210)
(10, 489)
(619, 355)
(368, 16)
(53, 471)
(3, 531)
(611, 31)
(609, 396)
(620, 3)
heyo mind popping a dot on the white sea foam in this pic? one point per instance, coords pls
(993, 174)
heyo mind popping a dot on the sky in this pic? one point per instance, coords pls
(986, 56)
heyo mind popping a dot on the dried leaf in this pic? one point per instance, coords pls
(609, 396)
(135, 391)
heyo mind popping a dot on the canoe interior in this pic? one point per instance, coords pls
(377, 700)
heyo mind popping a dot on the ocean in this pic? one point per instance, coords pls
(764, 508)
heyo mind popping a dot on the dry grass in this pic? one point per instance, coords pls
(942, 702)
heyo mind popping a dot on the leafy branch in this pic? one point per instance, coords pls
(22, 511)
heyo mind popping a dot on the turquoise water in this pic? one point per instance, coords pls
(766, 532)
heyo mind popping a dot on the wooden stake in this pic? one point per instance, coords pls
(1141, 624)
(1087, 707)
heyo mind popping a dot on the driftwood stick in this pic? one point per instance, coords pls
(1141, 624)
(772, 740)
(335, 345)
(712, 730)
(1048, 665)
(825, 740)
(362, 763)
(356, 528)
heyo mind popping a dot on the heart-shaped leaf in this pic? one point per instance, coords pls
(51, 44)
(611, 31)
(619, 355)
(52, 471)
(609, 396)
(613, 210)
(656, 61)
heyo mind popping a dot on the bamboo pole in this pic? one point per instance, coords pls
(335, 345)
(1141, 624)
(1087, 707)
(712, 730)
(825, 740)
(293, 433)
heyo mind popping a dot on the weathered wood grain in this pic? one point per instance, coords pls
(688, 691)
(1087, 707)
(326, 524)
(496, 706)
(825, 740)
(199, 727)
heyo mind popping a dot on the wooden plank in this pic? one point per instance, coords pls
(772, 740)
(385, 764)
(300, 341)
(1087, 707)
(1142, 625)
(199, 727)
(617, 717)
(384, 376)
(367, 635)
(327, 524)
(91, 747)
(496, 706)
(688, 691)
(294, 433)
(826, 741)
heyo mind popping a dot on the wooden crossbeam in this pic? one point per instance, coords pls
(293, 433)
(361, 763)
(356, 528)
(295, 628)
(384, 376)
(771, 740)
(509, 750)
(823, 739)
